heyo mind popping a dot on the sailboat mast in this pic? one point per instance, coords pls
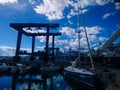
(83, 20)
(78, 28)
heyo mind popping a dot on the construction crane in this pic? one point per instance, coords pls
(110, 40)
(107, 49)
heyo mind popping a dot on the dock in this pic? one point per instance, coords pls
(110, 77)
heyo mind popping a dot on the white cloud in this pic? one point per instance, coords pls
(93, 38)
(53, 9)
(84, 10)
(50, 39)
(3, 2)
(41, 47)
(101, 39)
(14, 4)
(72, 13)
(32, 1)
(25, 49)
(83, 42)
(70, 22)
(10, 51)
(91, 30)
(73, 36)
(68, 16)
(65, 44)
(86, 3)
(106, 15)
(33, 30)
(74, 44)
(92, 33)
(5, 48)
(68, 31)
(102, 2)
(7, 51)
(117, 6)
(41, 38)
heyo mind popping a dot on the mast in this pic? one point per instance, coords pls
(78, 28)
(83, 20)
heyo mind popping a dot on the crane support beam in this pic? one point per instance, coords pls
(17, 26)
(110, 40)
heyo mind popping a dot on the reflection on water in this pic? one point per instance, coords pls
(5, 82)
(38, 82)
(41, 81)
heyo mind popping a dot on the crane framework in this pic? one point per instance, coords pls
(110, 40)
(105, 49)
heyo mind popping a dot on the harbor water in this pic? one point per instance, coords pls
(41, 81)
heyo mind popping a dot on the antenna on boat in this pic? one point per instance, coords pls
(83, 20)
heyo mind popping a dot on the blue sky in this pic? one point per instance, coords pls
(101, 16)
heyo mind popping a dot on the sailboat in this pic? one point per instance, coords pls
(79, 74)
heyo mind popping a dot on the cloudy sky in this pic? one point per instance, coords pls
(102, 18)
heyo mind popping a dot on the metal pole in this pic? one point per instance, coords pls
(91, 60)
(33, 43)
(18, 43)
(79, 36)
(53, 39)
(47, 44)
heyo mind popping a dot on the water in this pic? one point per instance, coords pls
(42, 81)
(5, 82)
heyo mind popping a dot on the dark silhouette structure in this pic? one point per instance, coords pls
(20, 28)
(117, 1)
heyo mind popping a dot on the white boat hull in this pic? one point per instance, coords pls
(84, 78)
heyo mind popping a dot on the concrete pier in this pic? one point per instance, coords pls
(110, 77)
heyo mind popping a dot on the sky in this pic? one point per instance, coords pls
(102, 19)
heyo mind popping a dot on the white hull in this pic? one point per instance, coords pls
(81, 76)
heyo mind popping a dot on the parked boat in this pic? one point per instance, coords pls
(80, 75)
(77, 73)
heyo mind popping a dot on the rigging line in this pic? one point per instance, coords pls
(83, 20)
(78, 18)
